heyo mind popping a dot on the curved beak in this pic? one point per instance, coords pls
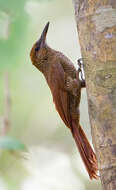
(41, 42)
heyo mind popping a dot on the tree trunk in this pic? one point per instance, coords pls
(96, 24)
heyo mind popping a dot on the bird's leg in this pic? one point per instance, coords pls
(80, 64)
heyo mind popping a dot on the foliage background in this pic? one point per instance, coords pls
(52, 161)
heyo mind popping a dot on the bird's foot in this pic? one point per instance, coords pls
(80, 63)
(80, 67)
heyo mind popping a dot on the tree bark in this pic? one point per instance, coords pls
(96, 24)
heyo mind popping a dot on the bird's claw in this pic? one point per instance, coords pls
(79, 69)
(80, 66)
(80, 62)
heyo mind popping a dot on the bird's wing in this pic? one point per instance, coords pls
(62, 101)
(61, 97)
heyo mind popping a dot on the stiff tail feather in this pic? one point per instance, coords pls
(86, 152)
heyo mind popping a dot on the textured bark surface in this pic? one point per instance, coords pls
(96, 24)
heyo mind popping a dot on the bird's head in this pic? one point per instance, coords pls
(39, 51)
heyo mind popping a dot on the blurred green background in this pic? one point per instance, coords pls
(52, 161)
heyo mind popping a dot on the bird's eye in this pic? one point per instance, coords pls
(36, 49)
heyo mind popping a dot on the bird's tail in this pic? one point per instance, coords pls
(86, 152)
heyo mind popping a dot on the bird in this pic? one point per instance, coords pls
(65, 84)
